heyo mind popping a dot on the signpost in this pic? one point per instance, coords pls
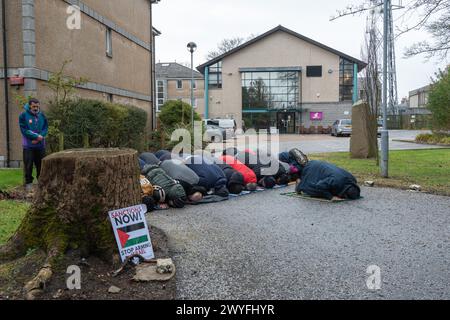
(316, 116)
(131, 232)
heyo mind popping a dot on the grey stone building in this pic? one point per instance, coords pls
(173, 82)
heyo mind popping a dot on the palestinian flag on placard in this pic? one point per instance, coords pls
(132, 235)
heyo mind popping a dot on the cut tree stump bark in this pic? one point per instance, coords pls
(76, 190)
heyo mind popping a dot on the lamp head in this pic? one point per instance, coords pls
(192, 46)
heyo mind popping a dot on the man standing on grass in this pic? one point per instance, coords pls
(34, 127)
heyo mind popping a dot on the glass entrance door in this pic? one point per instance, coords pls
(286, 122)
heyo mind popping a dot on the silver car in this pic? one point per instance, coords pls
(341, 127)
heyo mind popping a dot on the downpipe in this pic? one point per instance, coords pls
(5, 82)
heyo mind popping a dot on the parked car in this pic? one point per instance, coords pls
(229, 125)
(341, 127)
(215, 133)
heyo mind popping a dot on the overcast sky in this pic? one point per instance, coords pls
(207, 22)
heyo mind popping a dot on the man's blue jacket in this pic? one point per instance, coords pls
(325, 180)
(211, 176)
(32, 125)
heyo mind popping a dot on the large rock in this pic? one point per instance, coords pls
(164, 270)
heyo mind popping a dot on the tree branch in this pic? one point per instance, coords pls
(353, 10)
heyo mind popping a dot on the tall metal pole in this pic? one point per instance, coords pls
(384, 132)
(192, 90)
(191, 47)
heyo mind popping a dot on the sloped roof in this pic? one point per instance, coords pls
(173, 70)
(156, 32)
(361, 64)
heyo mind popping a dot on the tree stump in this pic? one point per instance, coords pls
(76, 190)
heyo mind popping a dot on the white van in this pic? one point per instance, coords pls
(229, 125)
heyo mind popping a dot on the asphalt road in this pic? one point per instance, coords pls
(269, 246)
(327, 143)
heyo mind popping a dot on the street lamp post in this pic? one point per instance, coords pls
(385, 133)
(191, 48)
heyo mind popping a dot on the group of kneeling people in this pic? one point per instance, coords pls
(175, 180)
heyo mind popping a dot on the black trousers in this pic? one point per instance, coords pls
(30, 157)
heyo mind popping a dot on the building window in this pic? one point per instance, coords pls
(109, 50)
(160, 95)
(110, 98)
(179, 84)
(314, 71)
(270, 90)
(194, 84)
(346, 75)
(423, 99)
(215, 76)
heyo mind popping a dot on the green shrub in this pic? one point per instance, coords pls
(445, 140)
(424, 138)
(174, 115)
(439, 102)
(175, 112)
(103, 124)
(435, 138)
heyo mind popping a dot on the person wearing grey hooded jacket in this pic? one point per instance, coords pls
(187, 178)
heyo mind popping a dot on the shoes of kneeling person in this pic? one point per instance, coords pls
(299, 156)
(29, 187)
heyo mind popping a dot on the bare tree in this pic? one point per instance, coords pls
(435, 19)
(355, 9)
(372, 88)
(432, 16)
(227, 45)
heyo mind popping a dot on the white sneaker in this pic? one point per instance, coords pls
(29, 187)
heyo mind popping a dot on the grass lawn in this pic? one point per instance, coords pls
(10, 178)
(11, 215)
(427, 168)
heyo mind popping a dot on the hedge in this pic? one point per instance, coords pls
(435, 138)
(98, 123)
(175, 114)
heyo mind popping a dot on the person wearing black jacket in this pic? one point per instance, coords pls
(235, 180)
(325, 180)
(254, 162)
(211, 176)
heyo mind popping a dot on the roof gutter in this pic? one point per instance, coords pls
(5, 82)
(153, 33)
